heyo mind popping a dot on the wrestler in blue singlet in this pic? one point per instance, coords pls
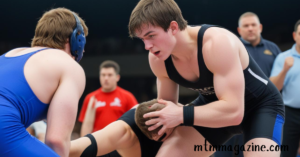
(19, 107)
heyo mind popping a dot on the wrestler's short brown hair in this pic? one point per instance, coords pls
(142, 109)
(157, 13)
(55, 28)
(296, 25)
(247, 14)
(110, 64)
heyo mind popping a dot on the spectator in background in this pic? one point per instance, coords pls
(286, 77)
(262, 51)
(111, 101)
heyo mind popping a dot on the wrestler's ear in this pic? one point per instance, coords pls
(174, 27)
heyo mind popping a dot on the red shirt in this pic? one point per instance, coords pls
(109, 106)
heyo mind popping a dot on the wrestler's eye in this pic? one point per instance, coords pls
(151, 36)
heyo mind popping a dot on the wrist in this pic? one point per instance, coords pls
(188, 115)
(181, 115)
(285, 70)
(180, 105)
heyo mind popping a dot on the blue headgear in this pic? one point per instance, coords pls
(77, 40)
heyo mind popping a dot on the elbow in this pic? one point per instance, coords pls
(55, 142)
(238, 118)
(238, 115)
(86, 129)
(60, 146)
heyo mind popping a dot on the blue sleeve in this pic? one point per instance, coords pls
(277, 65)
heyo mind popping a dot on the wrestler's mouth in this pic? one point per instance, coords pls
(156, 53)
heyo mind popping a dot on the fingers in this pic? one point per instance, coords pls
(95, 101)
(155, 106)
(151, 114)
(92, 102)
(161, 101)
(154, 126)
(152, 121)
(92, 98)
(162, 130)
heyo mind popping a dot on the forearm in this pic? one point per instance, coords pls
(61, 147)
(88, 122)
(41, 137)
(218, 114)
(279, 79)
(87, 128)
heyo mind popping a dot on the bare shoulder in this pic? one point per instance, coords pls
(124, 125)
(58, 63)
(123, 128)
(220, 46)
(219, 37)
(121, 124)
(60, 60)
(58, 56)
(157, 66)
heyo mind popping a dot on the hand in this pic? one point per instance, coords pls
(92, 102)
(170, 117)
(288, 63)
(180, 105)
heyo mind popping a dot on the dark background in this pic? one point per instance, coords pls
(107, 21)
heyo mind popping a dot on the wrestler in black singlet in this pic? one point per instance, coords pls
(264, 110)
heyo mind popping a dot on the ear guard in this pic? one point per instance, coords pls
(77, 40)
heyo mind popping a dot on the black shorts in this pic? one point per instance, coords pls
(263, 122)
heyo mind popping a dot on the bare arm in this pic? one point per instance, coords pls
(224, 62)
(166, 88)
(279, 79)
(222, 59)
(63, 107)
(30, 131)
(89, 118)
(39, 128)
(117, 135)
(41, 137)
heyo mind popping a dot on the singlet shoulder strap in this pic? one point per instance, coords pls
(201, 32)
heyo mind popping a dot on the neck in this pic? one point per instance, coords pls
(186, 43)
(298, 48)
(108, 90)
(256, 42)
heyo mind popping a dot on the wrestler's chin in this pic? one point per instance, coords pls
(162, 56)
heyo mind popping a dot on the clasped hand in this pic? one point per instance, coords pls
(169, 117)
